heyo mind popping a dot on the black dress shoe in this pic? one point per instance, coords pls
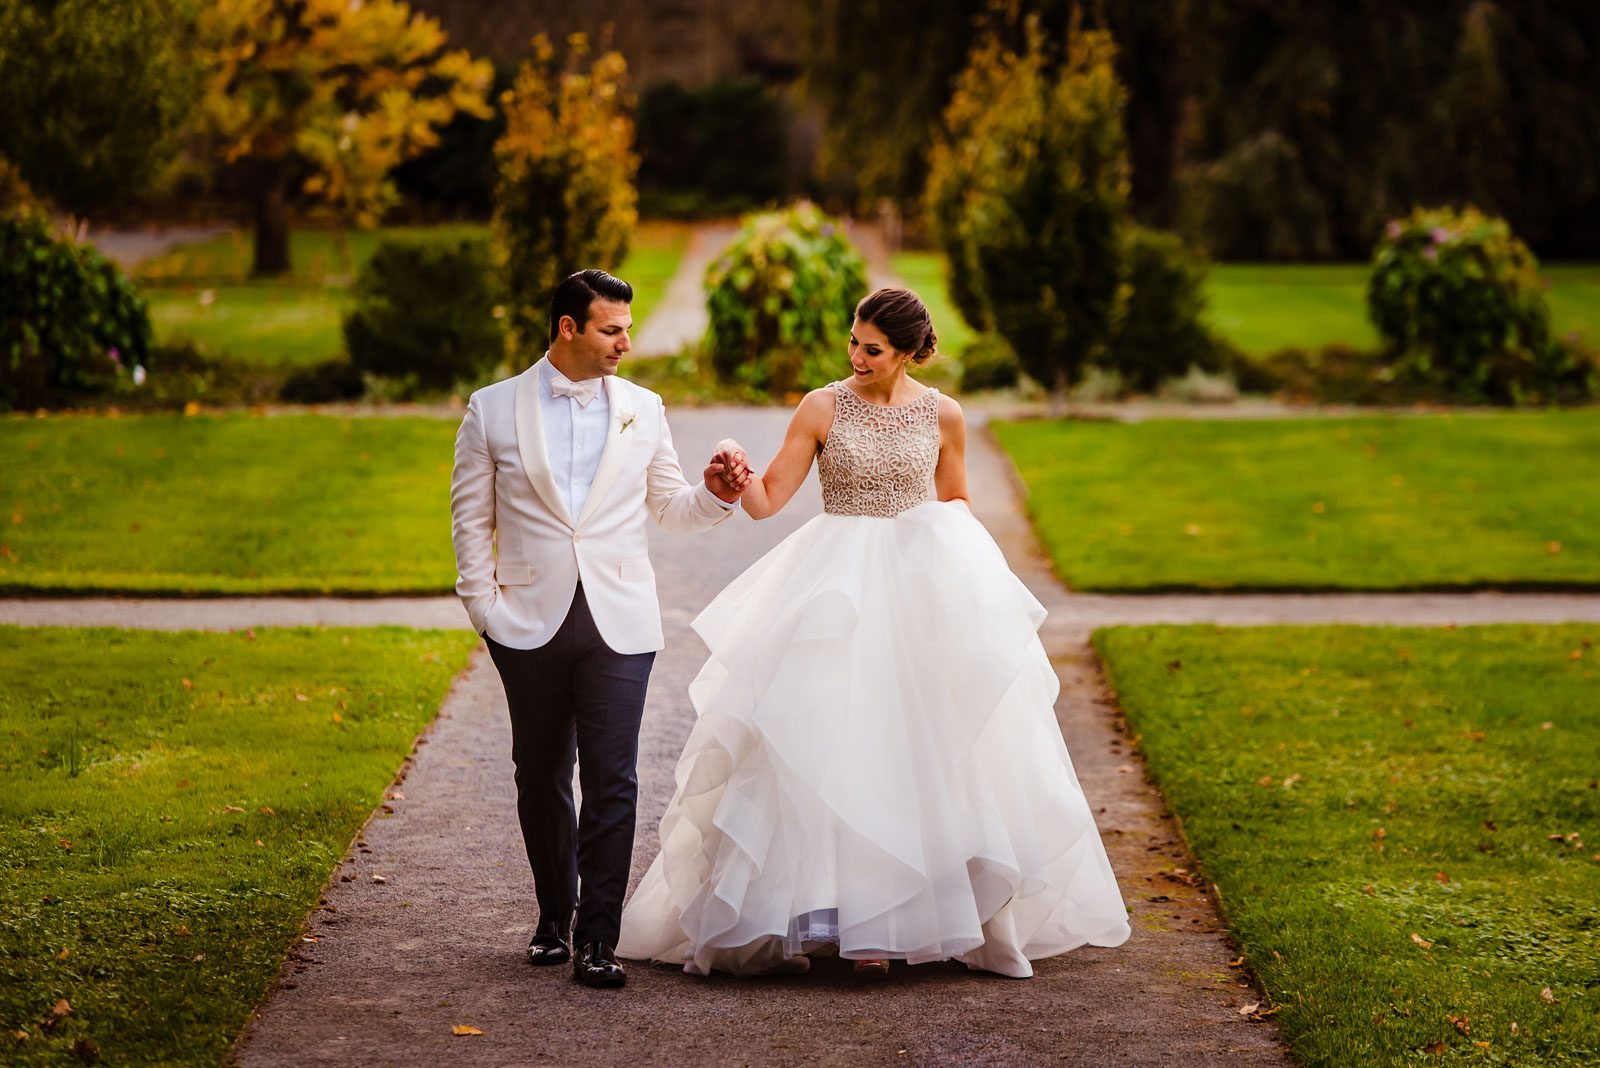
(549, 945)
(596, 965)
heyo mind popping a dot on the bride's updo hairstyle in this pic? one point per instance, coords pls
(904, 320)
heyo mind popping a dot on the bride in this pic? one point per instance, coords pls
(876, 769)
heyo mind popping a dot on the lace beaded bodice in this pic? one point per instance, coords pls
(878, 459)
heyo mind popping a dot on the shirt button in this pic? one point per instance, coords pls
(577, 537)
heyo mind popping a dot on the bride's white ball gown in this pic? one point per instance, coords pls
(876, 763)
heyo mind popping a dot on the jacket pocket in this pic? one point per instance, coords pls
(512, 574)
(636, 569)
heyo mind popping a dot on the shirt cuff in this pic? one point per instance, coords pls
(718, 501)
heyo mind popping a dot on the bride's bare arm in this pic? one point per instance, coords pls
(950, 478)
(808, 429)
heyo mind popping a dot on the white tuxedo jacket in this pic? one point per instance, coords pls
(520, 555)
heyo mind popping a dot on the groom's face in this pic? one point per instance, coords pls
(599, 348)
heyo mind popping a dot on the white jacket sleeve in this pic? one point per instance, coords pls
(472, 518)
(678, 506)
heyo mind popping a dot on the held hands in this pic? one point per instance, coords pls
(729, 472)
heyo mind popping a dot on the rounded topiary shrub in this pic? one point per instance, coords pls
(425, 313)
(70, 321)
(989, 363)
(781, 300)
(1161, 334)
(1459, 300)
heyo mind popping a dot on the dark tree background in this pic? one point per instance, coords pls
(1268, 128)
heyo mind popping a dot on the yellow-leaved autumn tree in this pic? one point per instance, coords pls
(326, 97)
(566, 199)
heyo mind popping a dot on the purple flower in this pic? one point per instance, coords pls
(116, 357)
(826, 229)
(1440, 235)
(1431, 252)
(1393, 229)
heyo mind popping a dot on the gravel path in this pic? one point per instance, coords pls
(680, 318)
(129, 248)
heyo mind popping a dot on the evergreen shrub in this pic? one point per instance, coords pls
(566, 200)
(425, 312)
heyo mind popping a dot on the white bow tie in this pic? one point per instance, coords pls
(582, 392)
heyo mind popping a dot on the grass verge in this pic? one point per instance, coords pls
(226, 505)
(1395, 819)
(172, 805)
(1382, 503)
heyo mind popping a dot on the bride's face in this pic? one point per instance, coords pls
(871, 356)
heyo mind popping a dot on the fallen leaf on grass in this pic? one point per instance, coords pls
(301, 697)
(232, 808)
(464, 1029)
(1463, 1024)
(85, 1050)
(20, 1035)
(1544, 995)
(198, 957)
(338, 718)
(1419, 940)
(264, 810)
(64, 954)
(1546, 725)
(187, 684)
(1435, 1048)
(64, 1007)
(1440, 877)
(1476, 736)
(1483, 1045)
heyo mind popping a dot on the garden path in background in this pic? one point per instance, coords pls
(395, 965)
(129, 248)
(679, 318)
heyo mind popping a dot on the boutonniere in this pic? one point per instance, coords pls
(627, 421)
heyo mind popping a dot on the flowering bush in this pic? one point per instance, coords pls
(70, 321)
(1459, 301)
(781, 300)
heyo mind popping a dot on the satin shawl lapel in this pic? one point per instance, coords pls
(619, 435)
(530, 444)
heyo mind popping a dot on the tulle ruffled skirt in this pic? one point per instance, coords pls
(876, 766)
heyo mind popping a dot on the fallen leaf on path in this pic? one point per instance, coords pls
(379, 879)
(1246, 1010)
(1235, 963)
(464, 1029)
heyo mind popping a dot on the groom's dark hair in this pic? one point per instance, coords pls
(577, 291)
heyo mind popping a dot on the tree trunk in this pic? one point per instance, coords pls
(272, 228)
(1058, 395)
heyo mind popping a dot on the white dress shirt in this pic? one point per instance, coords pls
(574, 436)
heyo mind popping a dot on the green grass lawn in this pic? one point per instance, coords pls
(1266, 307)
(1402, 824)
(226, 504)
(1376, 503)
(923, 273)
(202, 292)
(171, 806)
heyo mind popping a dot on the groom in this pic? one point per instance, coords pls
(556, 472)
